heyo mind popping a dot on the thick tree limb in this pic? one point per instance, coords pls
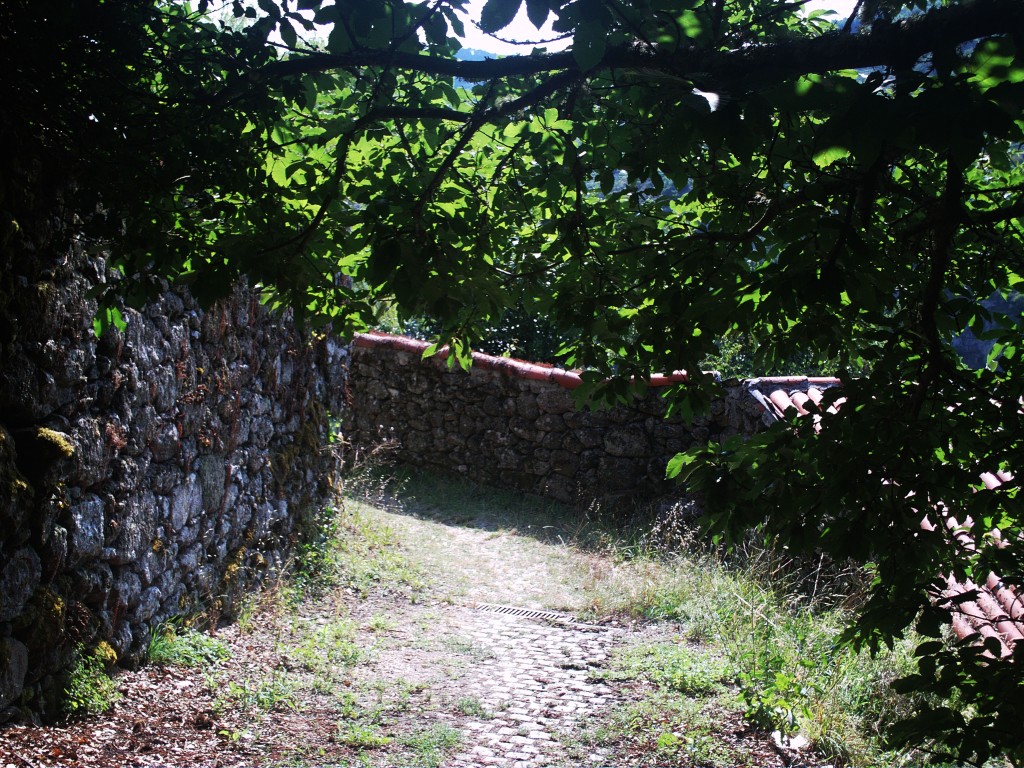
(903, 42)
(998, 215)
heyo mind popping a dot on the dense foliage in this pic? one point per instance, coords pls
(687, 171)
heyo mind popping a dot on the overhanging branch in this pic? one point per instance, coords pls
(902, 42)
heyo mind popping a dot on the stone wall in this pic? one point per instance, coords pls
(515, 425)
(163, 470)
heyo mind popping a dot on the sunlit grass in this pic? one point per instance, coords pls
(174, 645)
(758, 633)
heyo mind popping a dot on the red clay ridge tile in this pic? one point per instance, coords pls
(509, 365)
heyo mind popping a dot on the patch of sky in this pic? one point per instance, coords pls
(520, 37)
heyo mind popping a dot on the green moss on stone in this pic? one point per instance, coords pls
(58, 440)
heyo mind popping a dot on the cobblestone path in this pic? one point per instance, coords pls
(538, 683)
(451, 641)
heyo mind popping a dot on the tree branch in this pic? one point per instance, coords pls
(997, 215)
(745, 67)
(478, 121)
(946, 222)
(418, 113)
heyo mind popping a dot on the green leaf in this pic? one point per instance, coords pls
(693, 25)
(995, 61)
(108, 317)
(270, 8)
(677, 463)
(339, 41)
(589, 45)
(537, 11)
(929, 648)
(830, 155)
(498, 14)
(288, 35)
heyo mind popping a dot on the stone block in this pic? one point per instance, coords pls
(136, 523)
(86, 520)
(628, 441)
(212, 476)
(524, 429)
(19, 577)
(127, 589)
(527, 406)
(186, 502)
(13, 668)
(165, 443)
(551, 422)
(557, 401)
(615, 474)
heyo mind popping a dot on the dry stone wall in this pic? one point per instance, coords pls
(516, 425)
(160, 471)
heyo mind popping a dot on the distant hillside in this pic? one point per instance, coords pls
(474, 54)
(975, 351)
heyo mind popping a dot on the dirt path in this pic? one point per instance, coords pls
(498, 643)
(447, 639)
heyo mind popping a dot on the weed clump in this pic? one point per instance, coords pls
(90, 690)
(761, 634)
(175, 646)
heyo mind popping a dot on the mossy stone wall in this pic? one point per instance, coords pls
(496, 426)
(158, 471)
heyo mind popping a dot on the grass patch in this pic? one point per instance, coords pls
(394, 696)
(430, 746)
(680, 667)
(777, 647)
(324, 648)
(665, 728)
(274, 693)
(361, 736)
(380, 623)
(345, 548)
(370, 556)
(175, 646)
(471, 706)
(372, 718)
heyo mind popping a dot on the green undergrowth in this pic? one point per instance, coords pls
(174, 645)
(90, 689)
(667, 729)
(345, 548)
(374, 718)
(274, 691)
(759, 635)
(322, 647)
(304, 621)
(754, 636)
(687, 716)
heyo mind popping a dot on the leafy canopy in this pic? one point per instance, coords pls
(686, 171)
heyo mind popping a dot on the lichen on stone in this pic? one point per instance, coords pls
(58, 440)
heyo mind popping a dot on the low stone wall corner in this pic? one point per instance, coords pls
(514, 424)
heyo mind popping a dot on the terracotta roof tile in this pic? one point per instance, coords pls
(510, 365)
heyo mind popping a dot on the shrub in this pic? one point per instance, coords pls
(90, 691)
